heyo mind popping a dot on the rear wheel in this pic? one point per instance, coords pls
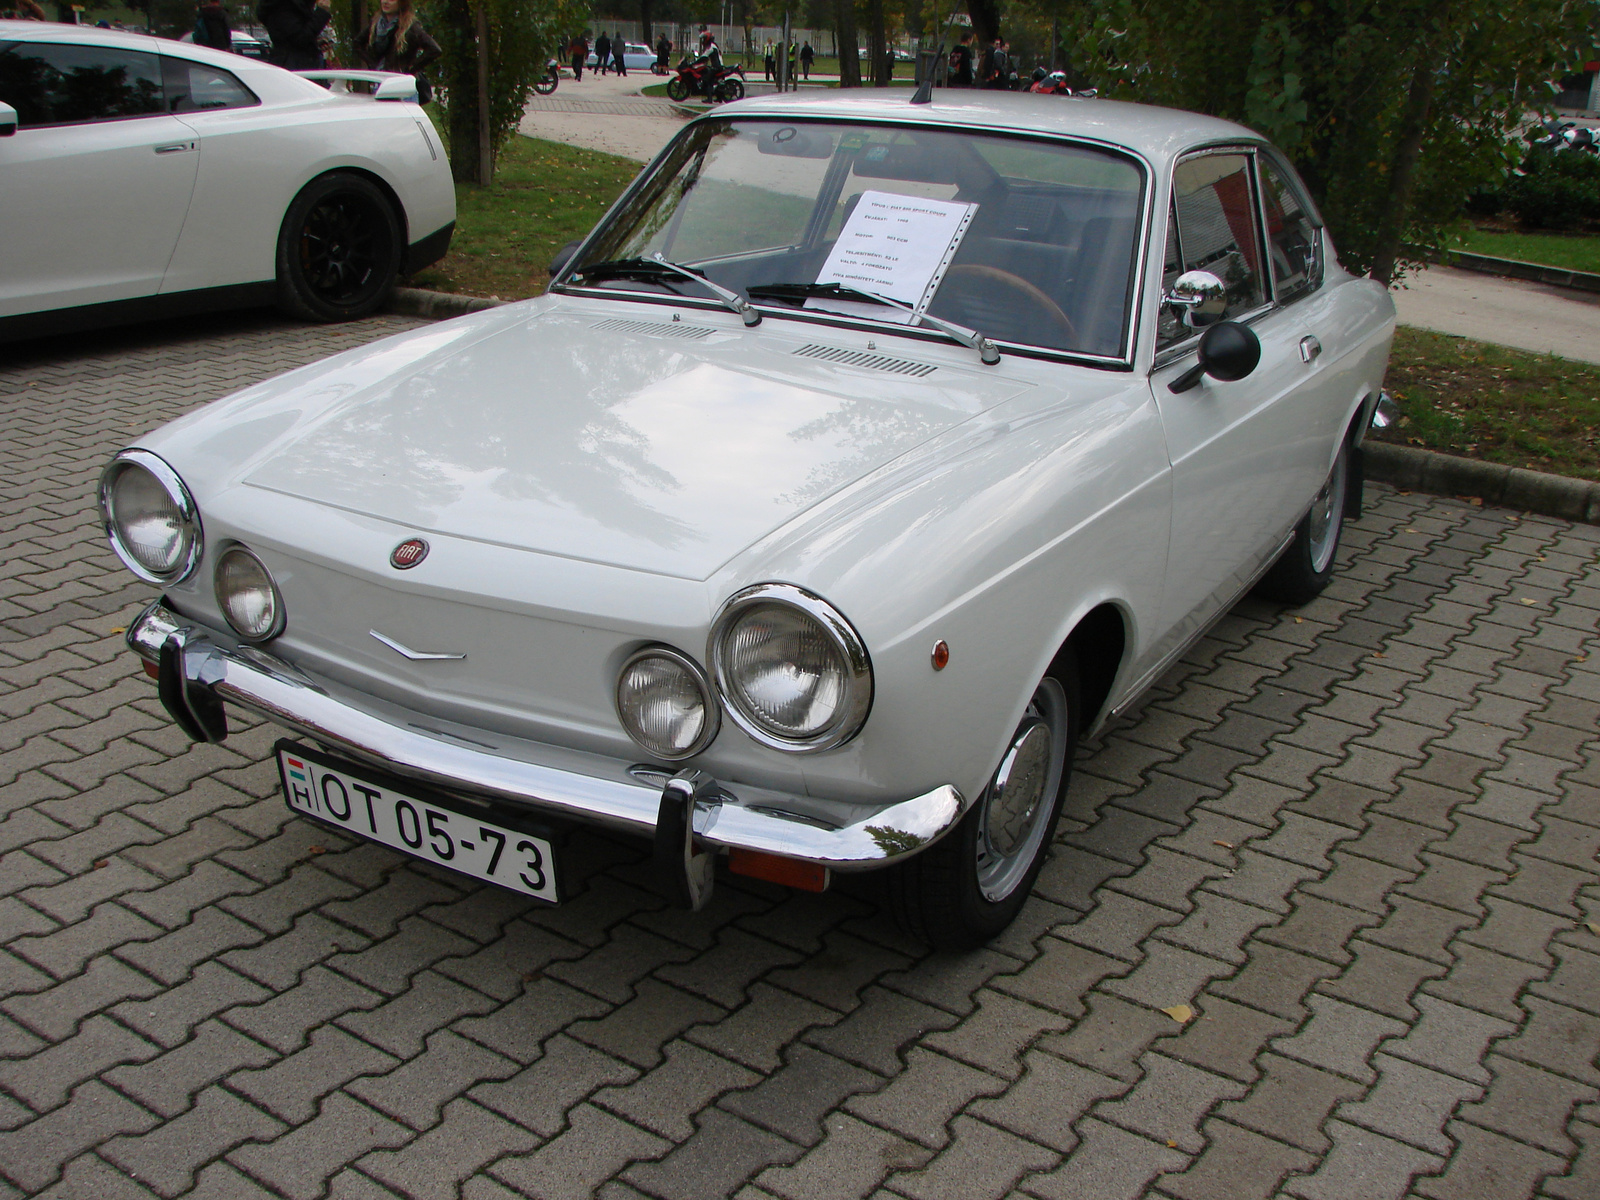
(1303, 570)
(731, 89)
(548, 84)
(339, 249)
(969, 886)
(677, 89)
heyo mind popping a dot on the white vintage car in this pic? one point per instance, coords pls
(141, 177)
(862, 457)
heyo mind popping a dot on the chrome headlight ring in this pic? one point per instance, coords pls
(855, 702)
(190, 532)
(712, 724)
(227, 596)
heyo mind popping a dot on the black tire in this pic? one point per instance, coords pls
(548, 84)
(339, 249)
(677, 89)
(959, 893)
(1303, 570)
(730, 89)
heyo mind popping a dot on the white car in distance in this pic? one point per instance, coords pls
(863, 456)
(142, 177)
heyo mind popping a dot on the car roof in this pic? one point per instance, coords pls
(1158, 133)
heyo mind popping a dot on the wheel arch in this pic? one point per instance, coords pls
(1099, 641)
(373, 177)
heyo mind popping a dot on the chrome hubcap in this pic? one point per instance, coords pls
(1021, 794)
(1326, 516)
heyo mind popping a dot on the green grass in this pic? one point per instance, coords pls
(544, 194)
(1576, 252)
(1502, 406)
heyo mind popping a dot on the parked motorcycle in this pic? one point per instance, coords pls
(552, 76)
(691, 80)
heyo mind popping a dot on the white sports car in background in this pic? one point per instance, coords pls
(141, 177)
(862, 456)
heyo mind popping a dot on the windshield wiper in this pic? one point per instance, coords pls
(987, 350)
(655, 267)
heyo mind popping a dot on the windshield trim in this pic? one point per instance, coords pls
(561, 284)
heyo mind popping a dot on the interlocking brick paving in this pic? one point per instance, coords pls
(1358, 839)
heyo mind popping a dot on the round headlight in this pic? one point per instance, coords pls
(665, 703)
(794, 673)
(150, 517)
(248, 597)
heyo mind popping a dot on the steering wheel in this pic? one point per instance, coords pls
(976, 272)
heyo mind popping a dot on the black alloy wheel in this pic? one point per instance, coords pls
(339, 250)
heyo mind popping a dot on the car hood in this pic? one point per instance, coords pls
(618, 434)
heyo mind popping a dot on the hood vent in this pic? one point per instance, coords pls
(652, 328)
(873, 362)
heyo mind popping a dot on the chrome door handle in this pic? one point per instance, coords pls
(1309, 348)
(174, 147)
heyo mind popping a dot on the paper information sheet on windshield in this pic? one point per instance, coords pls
(897, 246)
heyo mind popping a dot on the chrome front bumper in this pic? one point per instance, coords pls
(689, 814)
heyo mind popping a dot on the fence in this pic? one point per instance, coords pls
(730, 37)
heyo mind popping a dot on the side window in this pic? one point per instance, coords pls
(1215, 218)
(1292, 239)
(200, 87)
(69, 85)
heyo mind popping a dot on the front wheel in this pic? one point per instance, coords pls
(969, 886)
(1303, 570)
(339, 249)
(677, 89)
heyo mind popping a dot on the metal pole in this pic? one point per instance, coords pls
(784, 82)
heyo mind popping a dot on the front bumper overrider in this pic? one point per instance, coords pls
(689, 814)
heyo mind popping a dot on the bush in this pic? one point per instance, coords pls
(1556, 190)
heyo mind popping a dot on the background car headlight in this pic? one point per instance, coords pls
(794, 673)
(247, 595)
(665, 703)
(150, 517)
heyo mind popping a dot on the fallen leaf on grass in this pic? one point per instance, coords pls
(1181, 1013)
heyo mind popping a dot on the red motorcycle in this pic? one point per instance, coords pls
(693, 79)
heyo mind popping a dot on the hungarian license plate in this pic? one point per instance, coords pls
(397, 816)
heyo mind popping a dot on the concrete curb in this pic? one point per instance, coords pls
(1583, 281)
(1446, 475)
(1404, 466)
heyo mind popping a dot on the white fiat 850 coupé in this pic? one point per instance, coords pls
(141, 177)
(863, 456)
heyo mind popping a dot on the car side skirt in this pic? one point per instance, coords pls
(142, 308)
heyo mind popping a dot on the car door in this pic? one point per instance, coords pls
(96, 181)
(1243, 453)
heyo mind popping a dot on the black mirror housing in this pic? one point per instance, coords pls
(564, 256)
(1228, 351)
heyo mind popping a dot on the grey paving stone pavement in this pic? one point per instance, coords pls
(1357, 840)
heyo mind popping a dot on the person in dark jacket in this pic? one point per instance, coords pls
(580, 55)
(602, 54)
(663, 52)
(394, 40)
(294, 27)
(807, 57)
(211, 27)
(618, 49)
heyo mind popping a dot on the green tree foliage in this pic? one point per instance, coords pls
(1394, 112)
(523, 36)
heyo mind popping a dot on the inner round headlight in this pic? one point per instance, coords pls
(793, 671)
(150, 517)
(665, 704)
(247, 595)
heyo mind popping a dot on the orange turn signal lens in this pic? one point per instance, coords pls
(774, 868)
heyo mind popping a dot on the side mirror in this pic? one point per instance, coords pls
(8, 119)
(1228, 351)
(1200, 298)
(401, 87)
(563, 256)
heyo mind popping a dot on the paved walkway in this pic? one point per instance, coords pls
(1512, 312)
(1357, 841)
(632, 125)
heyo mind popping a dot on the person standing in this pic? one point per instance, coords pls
(997, 68)
(602, 53)
(619, 50)
(663, 53)
(580, 55)
(807, 57)
(394, 40)
(211, 27)
(295, 27)
(769, 62)
(961, 64)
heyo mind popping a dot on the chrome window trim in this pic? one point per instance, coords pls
(280, 618)
(177, 491)
(858, 666)
(1292, 181)
(561, 284)
(708, 694)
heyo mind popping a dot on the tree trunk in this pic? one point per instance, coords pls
(485, 146)
(877, 43)
(460, 77)
(1403, 165)
(644, 24)
(844, 23)
(985, 16)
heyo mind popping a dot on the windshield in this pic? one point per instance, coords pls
(1025, 241)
